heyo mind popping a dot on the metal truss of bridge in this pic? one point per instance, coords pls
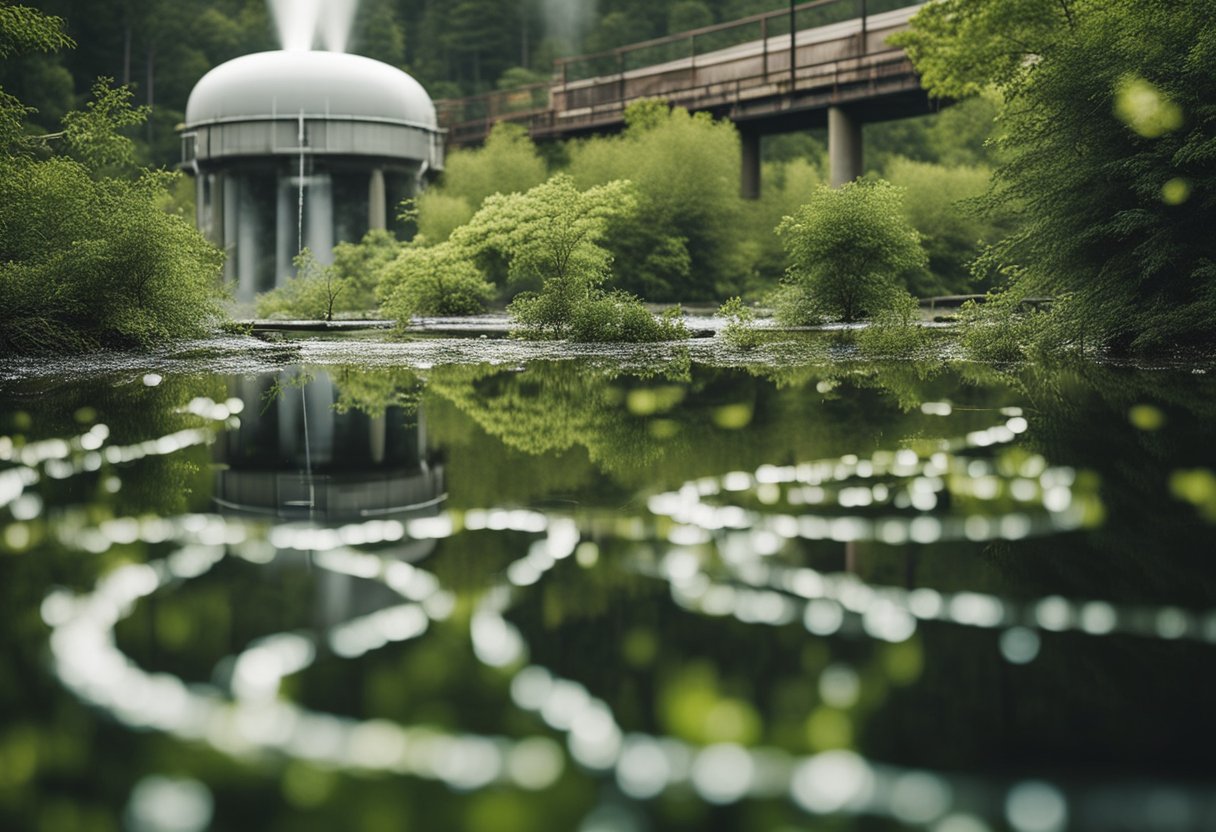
(835, 70)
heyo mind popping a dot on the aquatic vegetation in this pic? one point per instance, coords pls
(896, 331)
(741, 331)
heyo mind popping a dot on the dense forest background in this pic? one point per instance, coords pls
(160, 48)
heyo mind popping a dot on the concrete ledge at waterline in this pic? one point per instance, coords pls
(261, 326)
(491, 325)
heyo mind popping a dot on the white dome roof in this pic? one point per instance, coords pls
(318, 83)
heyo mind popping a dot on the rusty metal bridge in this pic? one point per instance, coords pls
(823, 63)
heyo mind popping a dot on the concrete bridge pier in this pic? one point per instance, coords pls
(844, 146)
(750, 184)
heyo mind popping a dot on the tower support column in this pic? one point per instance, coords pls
(377, 202)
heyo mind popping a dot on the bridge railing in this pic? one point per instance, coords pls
(719, 36)
(608, 78)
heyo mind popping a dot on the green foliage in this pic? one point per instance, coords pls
(92, 134)
(958, 135)
(441, 213)
(740, 331)
(551, 233)
(785, 187)
(311, 295)
(507, 163)
(688, 14)
(360, 265)
(348, 285)
(849, 249)
(431, 280)
(1108, 160)
(23, 29)
(1000, 329)
(379, 33)
(602, 317)
(941, 205)
(551, 237)
(962, 46)
(88, 260)
(896, 331)
(683, 242)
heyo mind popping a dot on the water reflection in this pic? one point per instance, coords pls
(297, 455)
(697, 598)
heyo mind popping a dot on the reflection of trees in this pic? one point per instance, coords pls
(647, 431)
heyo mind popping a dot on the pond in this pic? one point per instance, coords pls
(481, 585)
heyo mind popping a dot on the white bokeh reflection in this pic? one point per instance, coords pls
(719, 544)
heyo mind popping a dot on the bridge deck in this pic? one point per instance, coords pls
(847, 62)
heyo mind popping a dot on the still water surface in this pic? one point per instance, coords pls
(485, 586)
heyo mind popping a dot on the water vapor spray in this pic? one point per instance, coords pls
(567, 21)
(301, 22)
(337, 20)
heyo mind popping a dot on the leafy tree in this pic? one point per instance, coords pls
(849, 248)
(379, 33)
(688, 14)
(785, 187)
(551, 233)
(348, 285)
(441, 213)
(958, 135)
(361, 265)
(1108, 141)
(960, 47)
(23, 29)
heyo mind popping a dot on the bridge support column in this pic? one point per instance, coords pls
(844, 146)
(749, 186)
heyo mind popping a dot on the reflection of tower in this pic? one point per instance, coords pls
(298, 148)
(295, 457)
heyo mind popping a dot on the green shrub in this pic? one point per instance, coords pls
(88, 262)
(685, 240)
(849, 249)
(432, 280)
(941, 205)
(311, 295)
(997, 330)
(896, 331)
(1107, 157)
(741, 331)
(88, 257)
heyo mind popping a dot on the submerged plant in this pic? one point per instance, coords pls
(741, 331)
(895, 331)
